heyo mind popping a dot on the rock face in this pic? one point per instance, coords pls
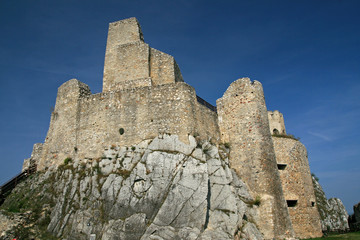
(354, 219)
(158, 189)
(7, 223)
(333, 214)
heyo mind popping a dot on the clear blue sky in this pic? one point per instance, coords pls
(306, 53)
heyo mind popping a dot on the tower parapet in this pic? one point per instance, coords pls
(243, 123)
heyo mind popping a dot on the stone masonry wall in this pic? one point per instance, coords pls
(297, 186)
(276, 122)
(82, 128)
(243, 123)
(63, 133)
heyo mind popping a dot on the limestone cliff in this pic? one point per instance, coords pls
(158, 189)
(333, 214)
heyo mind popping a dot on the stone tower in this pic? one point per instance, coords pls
(62, 139)
(293, 165)
(276, 122)
(243, 122)
(130, 62)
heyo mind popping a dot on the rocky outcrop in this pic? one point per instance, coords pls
(334, 217)
(8, 222)
(354, 219)
(157, 189)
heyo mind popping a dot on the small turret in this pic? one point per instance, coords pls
(276, 122)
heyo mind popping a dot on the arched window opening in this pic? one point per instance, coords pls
(275, 131)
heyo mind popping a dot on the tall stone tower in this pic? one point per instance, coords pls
(243, 122)
(276, 122)
(130, 62)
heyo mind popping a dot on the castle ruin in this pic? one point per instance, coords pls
(144, 95)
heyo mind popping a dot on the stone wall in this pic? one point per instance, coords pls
(297, 185)
(82, 125)
(243, 123)
(276, 122)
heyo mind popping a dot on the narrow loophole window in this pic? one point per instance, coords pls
(291, 203)
(281, 166)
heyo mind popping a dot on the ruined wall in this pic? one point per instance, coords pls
(297, 185)
(243, 123)
(276, 122)
(82, 128)
(35, 156)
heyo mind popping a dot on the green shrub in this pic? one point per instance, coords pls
(316, 178)
(67, 160)
(257, 201)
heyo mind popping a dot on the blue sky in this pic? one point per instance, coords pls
(305, 53)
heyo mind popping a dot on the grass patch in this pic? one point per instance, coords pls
(34, 205)
(286, 136)
(337, 236)
(256, 201)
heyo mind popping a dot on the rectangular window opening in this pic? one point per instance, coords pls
(313, 204)
(291, 203)
(281, 166)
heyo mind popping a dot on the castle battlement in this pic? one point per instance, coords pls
(144, 95)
